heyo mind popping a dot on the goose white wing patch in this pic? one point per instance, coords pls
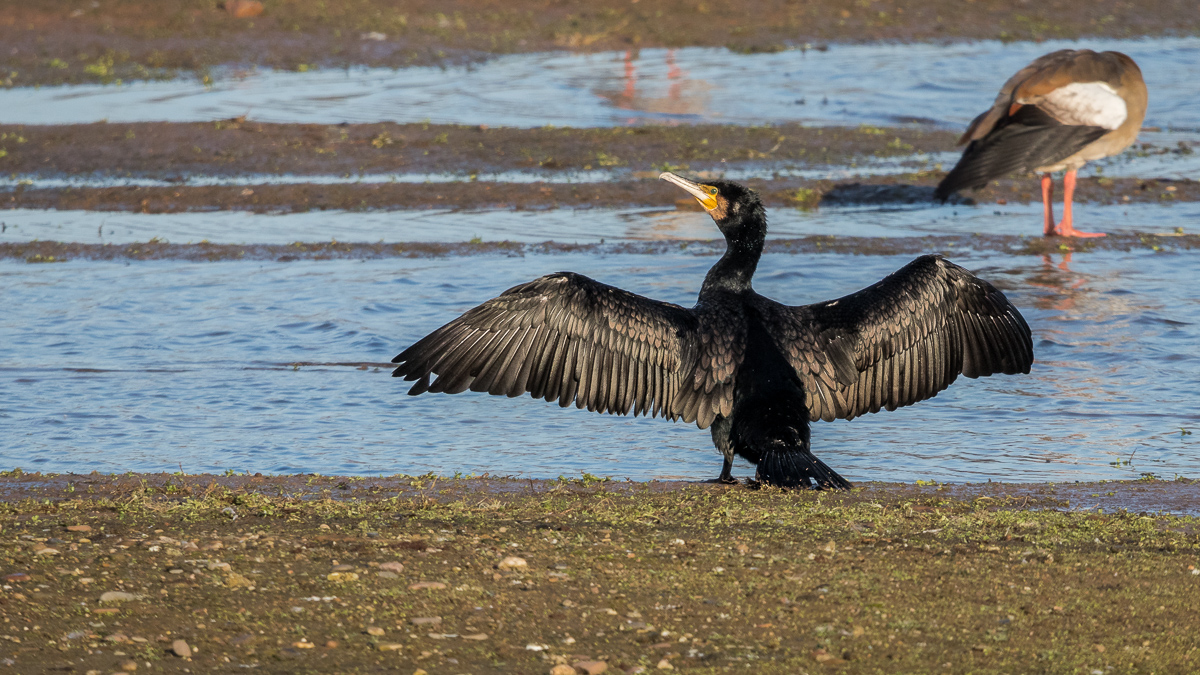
(1093, 104)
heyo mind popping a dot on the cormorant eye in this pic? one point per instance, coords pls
(712, 191)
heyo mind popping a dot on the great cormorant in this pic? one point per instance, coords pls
(1059, 112)
(754, 370)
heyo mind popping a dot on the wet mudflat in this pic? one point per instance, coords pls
(187, 573)
(59, 41)
(128, 367)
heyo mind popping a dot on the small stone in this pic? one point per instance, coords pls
(181, 649)
(389, 647)
(118, 596)
(664, 664)
(235, 580)
(81, 528)
(243, 9)
(512, 562)
(47, 551)
(16, 578)
(427, 585)
(420, 671)
(1098, 647)
(129, 666)
(591, 667)
(476, 636)
(343, 568)
(219, 566)
(342, 576)
(392, 566)
(303, 644)
(375, 630)
(331, 644)
(426, 620)
(387, 575)
(562, 669)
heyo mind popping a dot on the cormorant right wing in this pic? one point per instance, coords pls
(566, 337)
(901, 340)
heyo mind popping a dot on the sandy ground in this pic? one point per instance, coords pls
(57, 41)
(180, 573)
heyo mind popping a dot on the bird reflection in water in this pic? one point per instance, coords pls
(683, 96)
(1065, 287)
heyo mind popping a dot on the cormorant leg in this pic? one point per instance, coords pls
(1064, 228)
(1047, 209)
(726, 476)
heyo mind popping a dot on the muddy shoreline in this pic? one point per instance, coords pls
(238, 147)
(61, 41)
(948, 245)
(235, 148)
(282, 574)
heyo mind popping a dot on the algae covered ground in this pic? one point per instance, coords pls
(439, 575)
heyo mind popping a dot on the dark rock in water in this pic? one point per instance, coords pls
(864, 193)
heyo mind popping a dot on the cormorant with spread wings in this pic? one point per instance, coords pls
(753, 370)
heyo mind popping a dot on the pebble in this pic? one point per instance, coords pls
(426, 620)
(244, 9)
(181, 649)
(591, 667)
(387, 575)
(343, 568)
(46, 551)
(16, 578)
(222, 566)
(129, 666)
(392, 567)
(375, 630)
(118, 596)
(423, 585)
(389, 647)
(235, 580)
(79, 528)
(512, 562)
(331, 644)
(475, 636)
(562, 669)
(342, 576)
(665, 665)
(303, 644)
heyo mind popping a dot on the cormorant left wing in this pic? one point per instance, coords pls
(901, 340)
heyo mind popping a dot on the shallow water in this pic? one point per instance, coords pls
(883, 84)
(566, 225)
(155, 365)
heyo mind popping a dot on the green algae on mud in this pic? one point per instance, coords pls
(307, 573)
(948, 245)
(63, 41)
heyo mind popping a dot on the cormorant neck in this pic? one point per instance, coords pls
(743, 247)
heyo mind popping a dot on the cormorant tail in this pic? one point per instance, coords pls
(795, 467)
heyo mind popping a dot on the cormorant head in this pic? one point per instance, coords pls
(734, 207)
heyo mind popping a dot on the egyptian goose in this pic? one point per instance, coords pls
(1060, 111)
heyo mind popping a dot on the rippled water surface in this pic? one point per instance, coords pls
(154, 365)
(566, 225)
(847, 84)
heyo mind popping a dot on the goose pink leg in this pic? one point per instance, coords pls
(1065, 228)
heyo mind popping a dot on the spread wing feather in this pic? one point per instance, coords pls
(901, 340)
(567, 338)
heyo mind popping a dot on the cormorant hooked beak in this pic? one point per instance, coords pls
(705, 194)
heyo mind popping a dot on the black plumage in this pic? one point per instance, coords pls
(753, 369)
(1026, 140)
